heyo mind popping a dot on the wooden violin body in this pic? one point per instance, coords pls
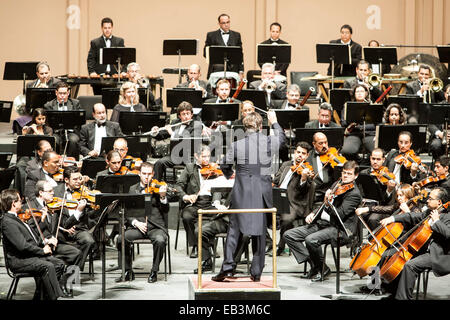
(298, 168)
(408, 158)
(383, 175)
(333, 158)
(211, 171)
(27, 214)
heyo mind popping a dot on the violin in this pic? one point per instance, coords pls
(132, 162)
(343, 188)
(59, 175)
(125, 170)
(333, 158)
(408, 158)
(428, 180)
(417, 237)
(383, 175)
(298, 168)
(57, 203)
(86, 193)
(211, 171)
(26, 215)
(154, 185)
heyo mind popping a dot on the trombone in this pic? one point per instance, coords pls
(434, 84)
(374, 79)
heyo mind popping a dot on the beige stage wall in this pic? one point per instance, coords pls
(59, 31)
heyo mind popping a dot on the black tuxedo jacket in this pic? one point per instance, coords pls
(51, 83)
(48, 226)
(214, 38)
(347, 69)
(94, 53)
(87, 135)
(329, 176)
(405, 174)
(282, 67)
(72, 104)
(385, 198)
(32, 178)
(314, 124)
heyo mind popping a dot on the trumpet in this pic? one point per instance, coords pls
(196, 85)
(434, 85)
(269, 85)
(143, 82)
(374, 79)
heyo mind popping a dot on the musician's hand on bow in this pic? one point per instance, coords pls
(141, 226)
(387, 221)
(162, 192)
(309, 218)
(93, 153)
(53, 241)
(391, 186)
(47, 249)
(81, 205)
(434, 215)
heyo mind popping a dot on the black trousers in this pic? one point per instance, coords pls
(84, 241)
(209, 231)
(160, 167)
(68, 253)
(72, 146)
(190, 217)
(157, 236)
(409, 275)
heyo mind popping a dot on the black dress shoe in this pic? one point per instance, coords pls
(311, 273)
(319, 277)
(255, 278)
(222, 275)
(280, 251)
(206, 266)
(129, 276)
(153, 277)
(194, 253)
(65, 291)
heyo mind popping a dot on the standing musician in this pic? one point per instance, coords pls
(362, 73)
(275, 31)
(435, 255)
(403, 174)
(153, 226)
(345, 70)
(25, 250)
(76, 222)
(128, 101)
(51, 162)
(252, 159)
(224, 37)
(274, 89)
(91, 134)
(324, 118)
(48, 223)
(188, 127)
(44, 77)
(194, 190)
(323, 225)
(295, 177)
(194, 74)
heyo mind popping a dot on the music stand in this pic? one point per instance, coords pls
(182, 150)
(436, 113)
(338, 98)
(6, 177)
(444, 53)
(5, 159)
(258, 97)
(179, 47)
(220, 111)
(130, 204)
(386, 136)
(176, 96)
(20, 71)
(37, 97)
(334, 52)
(335, 136)
(225, 54)
(280, 53)
(292, 119)
(363, 113)
(119, 55)
(140, 122)
(64, 120)
(137, 145)
(91, 166)
(26, 145)
(380, 55)
(5, 111)
(369, 187)
(280, 200)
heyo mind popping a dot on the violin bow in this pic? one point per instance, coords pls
(60, 214)
(34, 219)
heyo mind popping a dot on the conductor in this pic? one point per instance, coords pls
(252, 189)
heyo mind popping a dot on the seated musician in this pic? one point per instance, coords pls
(128, 101)
(402, 173)
(48, 224)
(394, 115)
(153, 226)
(441, 179)
(362, 72)
(75, 222)
(113, 164)
(91, 134)
(446, 97)
(51, 162)
(25, 250)
(325, 174)
(420, 87)
(194, 191)
(275, 32)
(38, 124)
(356, 134)
(292, 100)
(44, 77)
(247, 107)
(324, 118)
(134, 75)
(300, 189)
(194, 74)
(274, 89)
(62, 102)
(347, 70)
(223, 90)
(434, 255)
(183, 127)
(322, 224)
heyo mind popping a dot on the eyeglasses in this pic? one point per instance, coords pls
(49, 191)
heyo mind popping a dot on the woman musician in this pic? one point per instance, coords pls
(38, 124)
(128, 101)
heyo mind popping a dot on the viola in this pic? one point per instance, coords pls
(298, 168)
(154, 185)
(416, 239)
(211, 171)
(333, 158)
(383, 175)
(426, 181)
(27, 214)
(57, 203)
(408, 158)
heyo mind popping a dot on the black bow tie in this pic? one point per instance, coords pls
(101, 124)
(106, 39)
(274, 41)
(292, 105)
(141, 189)
(223, 101)
(225, 32)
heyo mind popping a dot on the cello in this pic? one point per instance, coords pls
(415, 240)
